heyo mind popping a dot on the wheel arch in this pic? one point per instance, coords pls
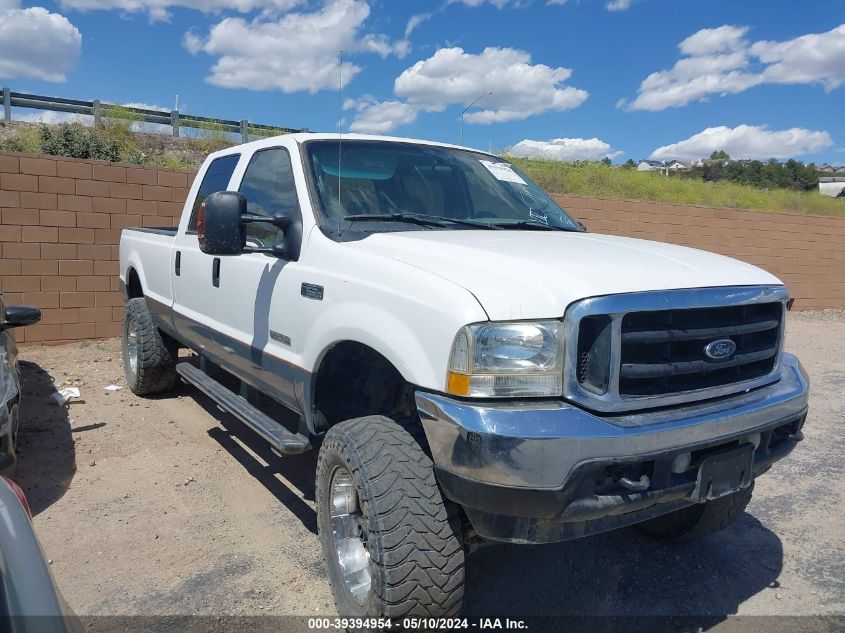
(133, 288)
(354, 379)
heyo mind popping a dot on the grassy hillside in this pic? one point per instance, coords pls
(600, 181)
(120, 138)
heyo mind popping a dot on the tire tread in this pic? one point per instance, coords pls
(417, 551)
(156, 354)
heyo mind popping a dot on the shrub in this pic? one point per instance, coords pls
(26, 139)
(77, 141)
(117, 123)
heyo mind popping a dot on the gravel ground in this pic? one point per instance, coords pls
(166, 506)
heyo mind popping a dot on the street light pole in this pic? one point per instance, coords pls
(477, 99)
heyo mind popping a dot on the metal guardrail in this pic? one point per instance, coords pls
(174, 118)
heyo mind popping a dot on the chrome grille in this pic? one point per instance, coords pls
(664, 351)
(644, 350)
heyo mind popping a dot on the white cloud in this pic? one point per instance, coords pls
(192, 42)
(160, 9)
(150, 128)
(499, 4)
(814, 58)
(52, 118)
(36, 44)
(564, 149)
(555, 2)
(723, 39)
(296, 52)
(382, 46)
(721, 61)
(414, 21)
(379, 117)
(617, 5)
(746, 141)
(520, 89)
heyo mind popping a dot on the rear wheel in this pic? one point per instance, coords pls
(700, 519)
(149, 357)
(391, 542)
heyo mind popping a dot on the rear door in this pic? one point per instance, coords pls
(192, 271)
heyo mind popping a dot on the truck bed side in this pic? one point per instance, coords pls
(148, 253)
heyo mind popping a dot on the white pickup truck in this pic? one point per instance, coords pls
(471, 363)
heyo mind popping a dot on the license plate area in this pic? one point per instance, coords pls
(724, 473)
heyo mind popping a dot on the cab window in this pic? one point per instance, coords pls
(269, 189)
(216, 179)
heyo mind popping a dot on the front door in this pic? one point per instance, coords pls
(253, 293)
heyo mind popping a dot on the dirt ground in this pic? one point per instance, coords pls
(167, 506)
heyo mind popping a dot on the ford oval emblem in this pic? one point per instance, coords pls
(720, 349)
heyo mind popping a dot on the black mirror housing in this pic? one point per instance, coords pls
(220, 226)
(289, 247)
(20, 316)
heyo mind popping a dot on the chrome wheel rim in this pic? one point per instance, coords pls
(349, 536)
(132, 345)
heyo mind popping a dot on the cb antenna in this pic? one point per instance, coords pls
(340, 137)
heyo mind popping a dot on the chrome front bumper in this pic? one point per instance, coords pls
(538, 446)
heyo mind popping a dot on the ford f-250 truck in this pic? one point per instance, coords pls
(471, 363)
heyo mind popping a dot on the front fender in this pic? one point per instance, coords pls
(394, 339)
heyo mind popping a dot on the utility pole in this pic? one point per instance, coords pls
(477, 99)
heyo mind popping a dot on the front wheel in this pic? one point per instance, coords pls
(700, 519)
(391, 542)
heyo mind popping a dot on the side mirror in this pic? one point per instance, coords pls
(220, 226)
(19, 316)
(581, 225)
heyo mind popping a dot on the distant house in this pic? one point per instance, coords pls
(833, 187)
(676, 165)
(650, 165)
(825, 168)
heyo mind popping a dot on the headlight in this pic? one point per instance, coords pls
(499, 360)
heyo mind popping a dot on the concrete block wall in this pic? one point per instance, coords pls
(806, 252)
(60, 222)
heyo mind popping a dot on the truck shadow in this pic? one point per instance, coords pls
(625, 573)
(255, 456)
(46, 452)
(604, 579)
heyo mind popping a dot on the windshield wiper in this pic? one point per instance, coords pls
(419, 218)
(525, 224)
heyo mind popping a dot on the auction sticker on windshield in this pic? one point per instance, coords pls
(502, 171)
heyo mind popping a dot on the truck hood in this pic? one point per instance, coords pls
(537, 274)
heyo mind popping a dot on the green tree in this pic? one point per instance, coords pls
(720, 155)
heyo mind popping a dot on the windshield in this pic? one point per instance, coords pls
(395, 182)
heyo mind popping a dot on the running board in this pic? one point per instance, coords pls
(279, 437)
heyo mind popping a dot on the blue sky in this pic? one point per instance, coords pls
(629, 79)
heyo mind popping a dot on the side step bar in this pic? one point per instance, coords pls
(279, 437)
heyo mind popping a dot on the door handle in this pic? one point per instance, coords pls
(178, 265)
(215, 272)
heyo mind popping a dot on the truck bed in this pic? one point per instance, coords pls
(148, 251)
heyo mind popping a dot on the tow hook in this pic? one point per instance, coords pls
(797, 436)
(635, 486)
